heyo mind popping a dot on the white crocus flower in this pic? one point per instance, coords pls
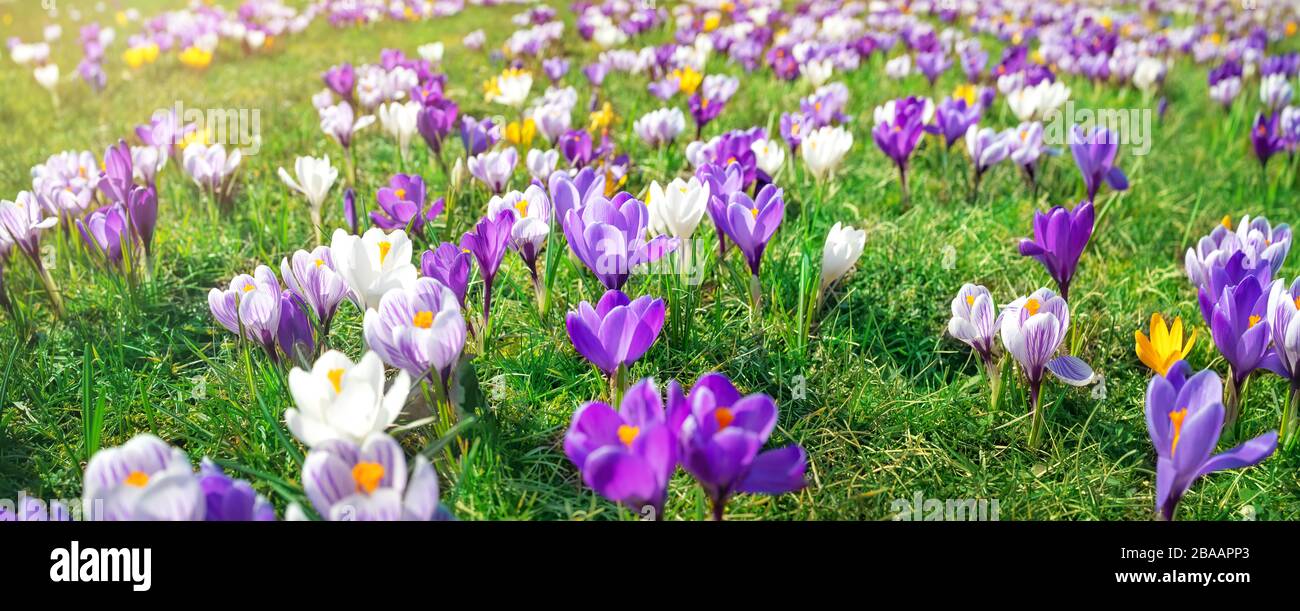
(373, 263)
(843, 247)
(769, 156)
(1051, 96)
(677, 209)
(823, 150)
(313, 178)
(899, 67)
(400, 121)
(338, 399)
(512, 88)
(431, 52)
(1023, 103)
(819, 71)
(47, 76)
(542, 163)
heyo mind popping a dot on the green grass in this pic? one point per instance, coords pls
(889, 406)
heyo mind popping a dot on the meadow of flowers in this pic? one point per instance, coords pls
(430, 260)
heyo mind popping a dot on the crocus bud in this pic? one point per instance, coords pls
(143, 207)
(843, 247)
(350, 212)
(294, 334)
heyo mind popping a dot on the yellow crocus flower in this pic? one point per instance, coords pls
(603, 118)
(195, 57)
(688, 79)
(521, 133)
(1165, 346)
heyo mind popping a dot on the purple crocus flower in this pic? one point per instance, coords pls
(476, 135)
(494, 168)
(933, 64)
(231, 500)
(1241, 331)
(595, 73)
(419, 330)
(704, 111)
(722, 436)
(311, 276)
(105, 233)
(898, 135)
(351, 214)
(369, 482)
(608, 236)
(488, 243)
(555, 68)
(434, 122)
(723, 180)
(751, 223)
(1185, 417)
(1094, 154)
(142, 205)
(953, 117)
(165, 131)
(1060, 236)
(341, 79)
(450, 265)
(1225, 257)
(250, 307)
(1266, 138)
(793, 128)
(1026, 147)
(617, 331)
(576, 146)
(294, 333)
(115, 181)
(987, 148)
(402, 205)
(627, 456)
(572, 193)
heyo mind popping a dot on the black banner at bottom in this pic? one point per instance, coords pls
(147, 559)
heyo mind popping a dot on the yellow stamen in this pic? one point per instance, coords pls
(248, 288)
(384, 247)
(137, 478)
(1254, 320)
(400, 193)
(754, 211)
(970, 300)
(367, 476)
(1032, 305)
(1226, 221)
(627, 434)
(336, 378)
(320, 262)
(423, 319)
(522, 207)
(1176, 417)
(724, 417)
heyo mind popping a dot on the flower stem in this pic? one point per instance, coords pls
(1035, 415)
(994, 369)
(1232, 399)
(51, 289)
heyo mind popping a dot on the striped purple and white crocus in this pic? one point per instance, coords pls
(975, 321)
(418, 329)
(368, 482)
(1033, 328)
